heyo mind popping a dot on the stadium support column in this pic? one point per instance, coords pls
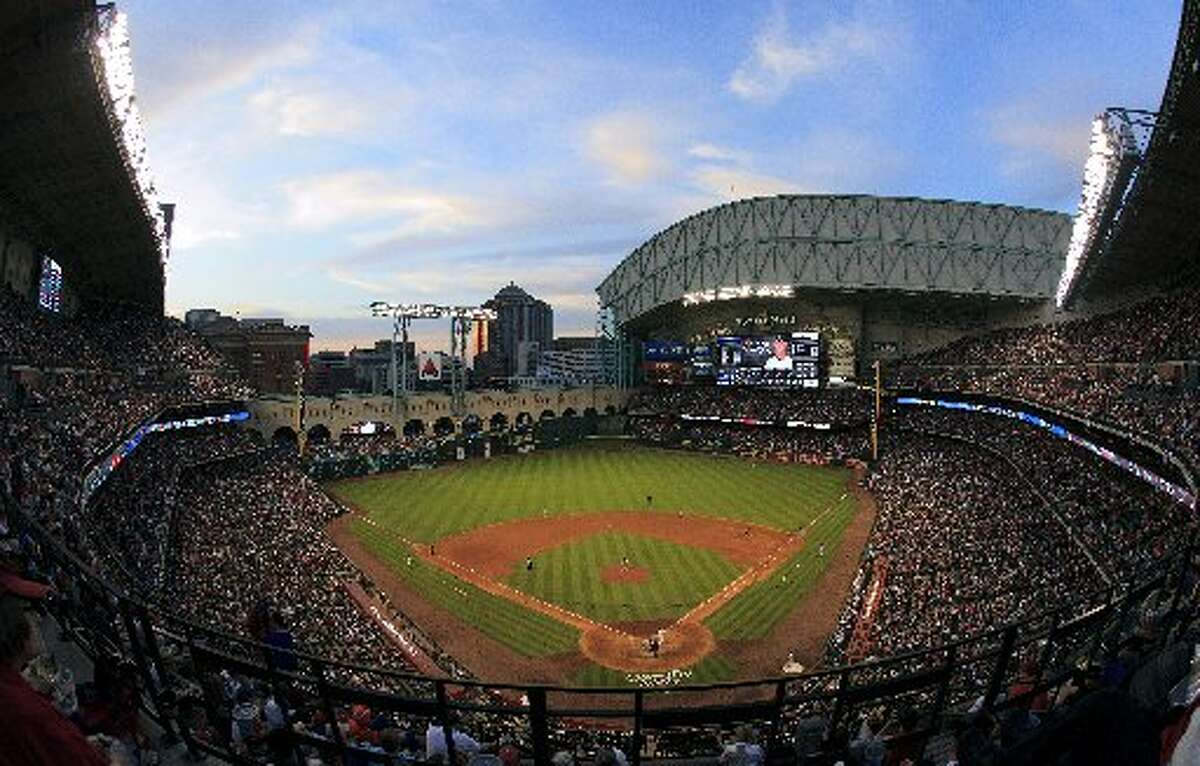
(610, 339)
(393, 377)
(625, 351)
(301, 435)
(875, 419)
(460, 331)
(398, 380)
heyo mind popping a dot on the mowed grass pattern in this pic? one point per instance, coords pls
(522, 630)
(758, 608)
(571, 576)
(426, 506)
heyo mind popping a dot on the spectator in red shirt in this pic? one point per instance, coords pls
(32, 731)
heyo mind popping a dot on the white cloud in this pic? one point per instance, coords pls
(582, 301)
(1024, 128)
(628, 146)
(1043, 142)
(290, 112)
(777, 61)
(566, 283)
(356, 197)
(732, 183)
(341, 277)
(186, 237)
(715, 153)
(205, 66)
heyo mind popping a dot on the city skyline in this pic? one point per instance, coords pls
(326, 156)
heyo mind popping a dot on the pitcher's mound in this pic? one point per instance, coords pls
(624, 574)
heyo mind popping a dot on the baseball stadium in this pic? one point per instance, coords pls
(855, 479)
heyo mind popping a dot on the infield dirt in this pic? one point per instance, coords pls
(483, 555)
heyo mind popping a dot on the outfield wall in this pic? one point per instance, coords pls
(268, 414)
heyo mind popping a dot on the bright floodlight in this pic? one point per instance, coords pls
(739, 291)
(1111, 142)
(112, 46)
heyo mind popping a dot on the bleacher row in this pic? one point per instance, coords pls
(982, 522)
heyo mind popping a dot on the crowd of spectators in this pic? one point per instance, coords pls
(1125, 523)
(836, 407)
(251, 530)
(1160, 328)
(1128, 368)
(226, 531)
(359, 455)
(968, 546)
(229, 531)
(827, 425)
(1135, 399)
(785, 445)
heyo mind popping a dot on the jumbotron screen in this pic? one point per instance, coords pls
(769, 360)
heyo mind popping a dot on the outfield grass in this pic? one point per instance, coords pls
(425, 506)
(761, 606)
(679, 577)
(522, 630)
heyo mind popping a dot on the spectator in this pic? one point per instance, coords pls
(32, 731)
(744, 750)
(435, 740)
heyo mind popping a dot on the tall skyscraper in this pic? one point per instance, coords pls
(523, 327)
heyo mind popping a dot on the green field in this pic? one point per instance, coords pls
(425, 506)
(527, 632)
(570, 576)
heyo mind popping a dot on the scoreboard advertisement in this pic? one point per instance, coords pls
(786, 360)
(769, 360)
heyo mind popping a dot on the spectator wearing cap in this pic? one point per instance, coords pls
(32, 731)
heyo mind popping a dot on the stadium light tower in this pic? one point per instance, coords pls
(402, 316)
(461, 319)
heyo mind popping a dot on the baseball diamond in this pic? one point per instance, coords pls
(712, 573)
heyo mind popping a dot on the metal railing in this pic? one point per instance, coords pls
(184, 670)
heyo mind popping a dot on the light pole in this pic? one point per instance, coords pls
(402, 317)
(878, 412)
(461, 318)
(301, 436)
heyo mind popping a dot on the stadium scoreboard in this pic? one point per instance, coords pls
(785, 360)
(788, 361)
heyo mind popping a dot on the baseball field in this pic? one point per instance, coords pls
(611, 563)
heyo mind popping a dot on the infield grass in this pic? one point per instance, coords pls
(425, 506)
(524, 631)
(571, 575)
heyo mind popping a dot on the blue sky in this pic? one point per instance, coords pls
(324, 155)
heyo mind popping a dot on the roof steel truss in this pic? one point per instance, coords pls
(846, 243)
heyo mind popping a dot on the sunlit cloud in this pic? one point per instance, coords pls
(326, 155)
(715, 153)
(724, 182)
(366, 196)
(628, 146)
(305, 114)
(778, 60)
